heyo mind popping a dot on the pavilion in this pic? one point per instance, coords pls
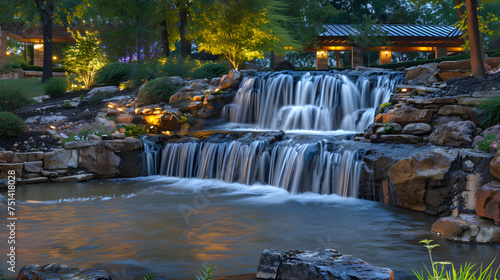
(439, 39)
(31, 36)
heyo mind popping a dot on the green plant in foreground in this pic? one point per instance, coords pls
(149, 275)
(465, 272)
(133, 130)
(389, 128)
(10, 125)
(490, 108)
(56, 87)
(206, 272)
(384, 105)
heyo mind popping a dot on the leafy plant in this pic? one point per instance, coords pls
(384, 105)
(157, 90)
(113, 73)
(85, 58)
(144, 71)
(11, 99)
(491, 111)
(206, 272)
(67, 104)
(149, 275)
(389, 128)
(465, 272)
(55, 87)
(11, 125)
(133, 130)
(210, 70)
(487, 142)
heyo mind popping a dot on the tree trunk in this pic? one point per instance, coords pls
(459, 16)
(475, 42)
(164, 38)
(46, 16)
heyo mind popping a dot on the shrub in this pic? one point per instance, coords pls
(144, 71)
(10, 125)
(133, 130)
(210, 70)
(40, 68)
(113, 73)
(11, 99)
(56, 87)
(177, 66)
(157, 90)
(491, 111)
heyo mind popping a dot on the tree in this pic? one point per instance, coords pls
(40, 12)
(85, 58)
(475, 42)
(242, 29)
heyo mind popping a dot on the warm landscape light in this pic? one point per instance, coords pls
(52, 127)
(54, 57)
(7, 52)
(110, 106)
(404, 90)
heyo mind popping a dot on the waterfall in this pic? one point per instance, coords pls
(326, 101)
(295, 167)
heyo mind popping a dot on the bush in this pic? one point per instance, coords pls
(10, 125)
(11, 99)
(407, 64)
(56, 87)
(40, 68)
(144, 71)
(177, 66)
(157, 90)
(490, 108)
(210, 70)
(112, 74)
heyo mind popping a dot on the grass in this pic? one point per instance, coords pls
(27, 87)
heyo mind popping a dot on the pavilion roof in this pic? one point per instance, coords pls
(24, 34)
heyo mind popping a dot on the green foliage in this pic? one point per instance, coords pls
(483, 23)
(384, 105)
(178, 66)
(389, 128)
(85, 58)
(143, 71)
(466, 271)
(10, 125)
(206, 272)
(149, 275)
(210, 70)
(133, 130)
(407, 64)
(14, 62)
(158, 90)
(99, 97)
(40, 68)
(56, 87)
(113, 73)
(241, 30)
(490, 108)
(11, 99)
(487, 142)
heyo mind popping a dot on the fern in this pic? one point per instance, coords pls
(206, 272)
(148, 275)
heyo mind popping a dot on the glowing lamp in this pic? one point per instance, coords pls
(110, 106)
(7, 52)
(52, 127)
(54, 57)
(404, 90)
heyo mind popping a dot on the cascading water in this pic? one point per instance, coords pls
(285, 101)
(294, 167)
(325, 102)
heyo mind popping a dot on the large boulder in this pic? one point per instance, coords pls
(467, 228)
(284, 65)
(233, 79)
(455, 65)
(488, 201)
(325, 265)
(456, 134)
(419, 75)
(405, 115)
(417, 129)
(61, 272)
(420, 181)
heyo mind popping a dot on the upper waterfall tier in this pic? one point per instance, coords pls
(312, 101)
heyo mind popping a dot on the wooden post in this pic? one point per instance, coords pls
(321, 60)
(356, 57)
(3, 46)
(337, 53)
(440, 52)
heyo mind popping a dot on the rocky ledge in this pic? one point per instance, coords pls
(328, 264)
(61, 272)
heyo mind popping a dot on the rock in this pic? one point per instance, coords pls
(486, 93)
(127, 144)
(396, 138)
(61, 272)
(94, 138)
(80, 144)
(455, 65)
(448, 75)
(116, 136)
(215, 81)
(195, 105)
(111, 89)
(35, 180)
(469, 101)
(60, 159)
(325, 265)
(492, 130)
(488, 201)
(104, 122)
(99, 160)
(207, 112)
(412, 177)
(467, 228)
(454, 110)
(456, 134)
(418, 75)
(49, 174)
(47, 120)
(31, 156)
(74, 178)
(177, 81)
(5, 167)
(417, 129)
(33, 166)
(232, 79)
(405, 115)
(284, 65)
(495, 166)
(6, 156)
